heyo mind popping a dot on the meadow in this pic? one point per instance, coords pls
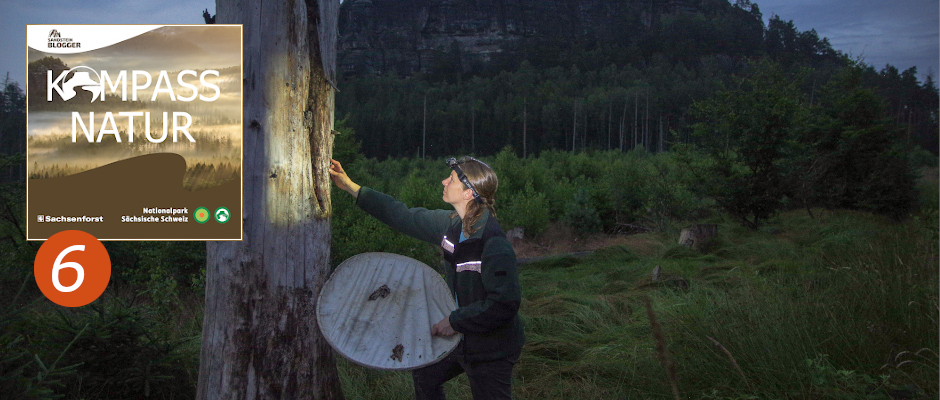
(843, 306)
(813, 304)
(821, 303)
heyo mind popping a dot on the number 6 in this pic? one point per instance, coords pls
(58, 266)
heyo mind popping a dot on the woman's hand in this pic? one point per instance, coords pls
(443, 328)
(342, 180)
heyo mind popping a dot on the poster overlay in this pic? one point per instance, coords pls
(134, 132)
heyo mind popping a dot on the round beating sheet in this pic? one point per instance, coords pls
(377, 310)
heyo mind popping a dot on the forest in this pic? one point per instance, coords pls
(819, 170)
(612, 94)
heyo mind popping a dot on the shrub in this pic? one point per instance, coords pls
(528, 209)
(581, 215)
(419, 189)
(123, 352)
(668, 196)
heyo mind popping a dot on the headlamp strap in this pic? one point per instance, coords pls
(453, 164)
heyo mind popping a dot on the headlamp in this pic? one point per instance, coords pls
(453, 164)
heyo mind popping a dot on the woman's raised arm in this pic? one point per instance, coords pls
(342, 180)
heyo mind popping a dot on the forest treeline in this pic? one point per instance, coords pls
(757, 145)
(795, 159)
(615, 93)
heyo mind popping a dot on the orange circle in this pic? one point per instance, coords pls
(63, 259)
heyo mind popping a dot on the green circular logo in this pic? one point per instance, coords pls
(222, 215)
(201, 214)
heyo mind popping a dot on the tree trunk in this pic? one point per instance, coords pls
(646, 123)
(424, 126)
(636, 107)
(524, 120)
(610, 114)
(623, 122)
(260, 338)
(660, 133)
(473, 128)
(574, 127)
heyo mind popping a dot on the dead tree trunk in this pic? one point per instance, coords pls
(260, 338)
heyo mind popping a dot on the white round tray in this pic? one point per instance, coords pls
(390, 332)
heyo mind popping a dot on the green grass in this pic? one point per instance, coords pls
(843, 305)
(840, 306)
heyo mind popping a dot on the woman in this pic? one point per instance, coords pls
(480, 269)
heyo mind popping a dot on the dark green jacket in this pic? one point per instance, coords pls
(488, 299)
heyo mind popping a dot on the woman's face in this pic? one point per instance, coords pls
(454, 191)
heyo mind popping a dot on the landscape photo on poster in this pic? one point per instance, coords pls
(134, 132)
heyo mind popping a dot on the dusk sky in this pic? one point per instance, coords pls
(901, 33)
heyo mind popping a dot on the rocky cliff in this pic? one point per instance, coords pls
(409, 36)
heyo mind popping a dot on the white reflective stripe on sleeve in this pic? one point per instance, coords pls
(447, 245)
(469, 266)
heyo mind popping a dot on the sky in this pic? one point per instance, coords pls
(901, 33)
(14, 18)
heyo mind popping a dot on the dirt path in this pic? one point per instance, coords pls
(562, 242)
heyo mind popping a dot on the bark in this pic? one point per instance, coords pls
(260, 336)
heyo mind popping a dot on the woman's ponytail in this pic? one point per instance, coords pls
(484, 180)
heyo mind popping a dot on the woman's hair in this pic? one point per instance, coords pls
(484, 180)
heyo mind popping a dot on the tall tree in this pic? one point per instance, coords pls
(743, 138)
(861, 152)
(12, 127)
(260, 337)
